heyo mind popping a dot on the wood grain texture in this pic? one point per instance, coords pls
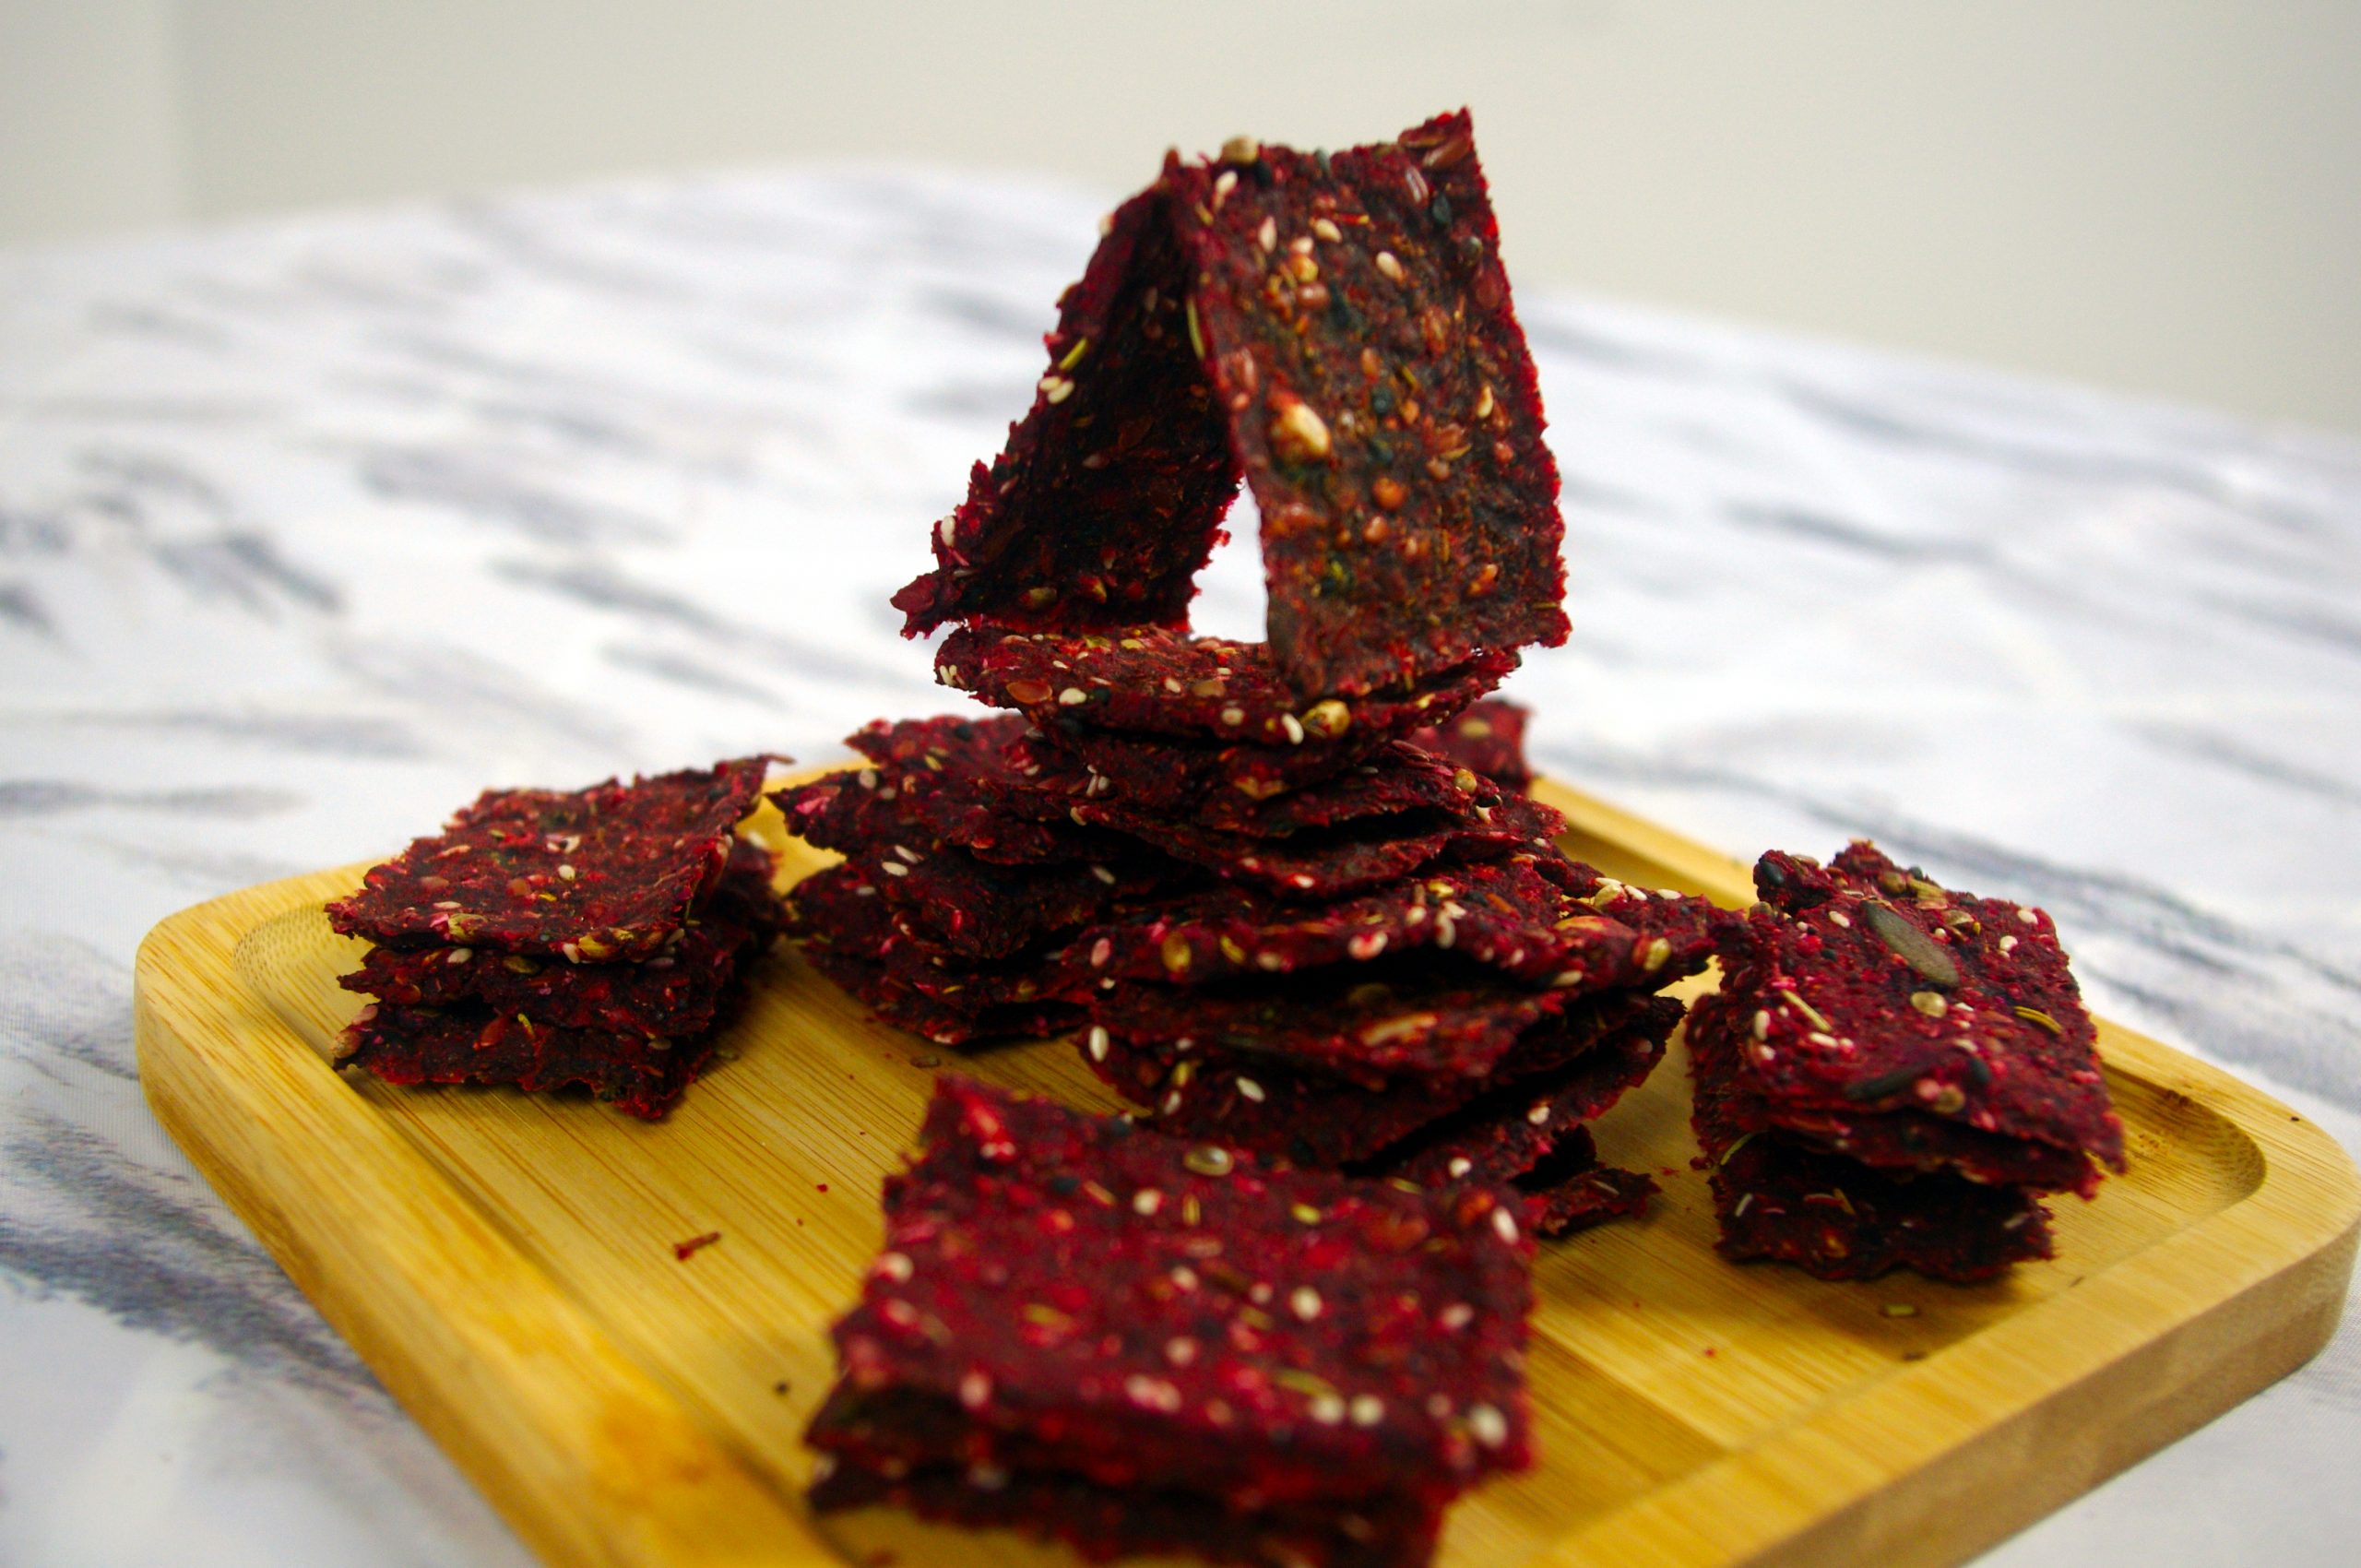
(505, 1263)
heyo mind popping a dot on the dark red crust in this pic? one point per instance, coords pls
(1345, 1339)
(1539, 916)
(471, 1044)
(1105, 1523)
(609, 871)
(1110, 495)
(1342, 379)
(1512, 1130)
(1986, 1061)
(1146, 680)
(671, 994)
(1830, 1215)
(1317, 1121)
(1374, 388)
(1488, 739)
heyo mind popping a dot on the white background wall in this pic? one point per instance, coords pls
(2162, 195)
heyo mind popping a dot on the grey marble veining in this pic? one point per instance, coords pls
(308, 530)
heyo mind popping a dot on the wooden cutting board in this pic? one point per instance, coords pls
(506, 1265)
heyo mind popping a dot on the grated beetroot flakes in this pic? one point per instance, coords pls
(1064, 1293)
(609, 872)
(1338, 329)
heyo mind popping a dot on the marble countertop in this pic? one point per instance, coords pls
(310, 530)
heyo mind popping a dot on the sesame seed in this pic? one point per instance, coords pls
(1460, 1166)
(1504, 1223)
(1249, 1090)
(460, 955)
(1326, 230)
(895, 1266)
(1267, 236)
(1181, 1350)
(1294, 727)
(1389, 265)
(2008, 943)
(895, 868)
(1486, 1425)
(1304, 1302)
(975, 1390)
(1456, 1316)
(1326, 1408)
(1233, 716)
(1146, 1201)
(2028, 917)
(1367, 1409)
(1103, 875)
(1540, 1114)
(1098, 1041)
(566, 874)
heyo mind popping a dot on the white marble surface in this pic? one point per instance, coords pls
(308, 530)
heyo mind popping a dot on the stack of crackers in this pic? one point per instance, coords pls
(1892, 1073)
(1274, 918)
(547, 939)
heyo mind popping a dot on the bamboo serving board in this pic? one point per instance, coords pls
(506, 1265)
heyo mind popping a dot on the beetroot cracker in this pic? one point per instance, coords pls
(1146, 680)
(1514, 1129)
(1065, 1296)
(1573, 1191)
(1840, 1219)
(1382, 403)
(1416, 1017)
(851, 935)
(1104, 1522)
(1538, 916)
(1248, 1100)
(1111, 492)
(1336, 327)
(675, 992)
(1487, 738)
(609, 871)
(471, 1044)
(1869, 989)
